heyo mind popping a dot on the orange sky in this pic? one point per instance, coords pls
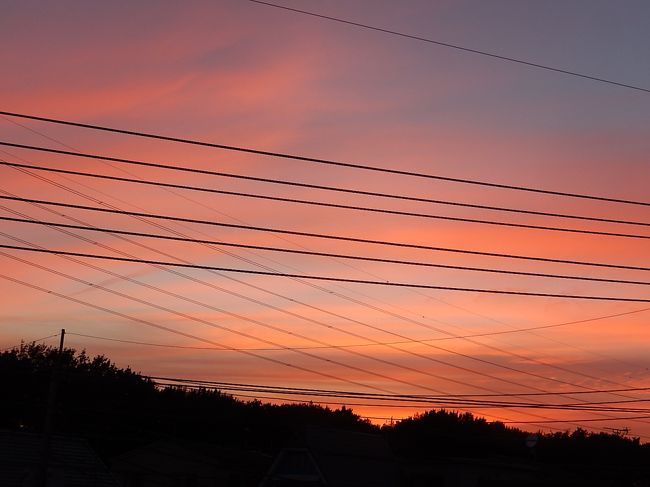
(239, 74)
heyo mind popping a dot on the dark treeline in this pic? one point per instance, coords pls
(116, 409)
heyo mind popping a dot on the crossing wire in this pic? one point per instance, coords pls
(385, 211)
(338, 189)
(162, 327)
(438, 401)
(284, 297)
(328, 278)
(383, 361)
(138, 320)
(377, 395)
(354, 334)
(181, 333)
(318, 341)
(319, 160)
(326, 325)
(371, 344)
(31, 341)
(323, 236)
(344, 330)
(318, 254)
(211, 208)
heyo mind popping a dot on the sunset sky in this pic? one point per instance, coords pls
(243, 74)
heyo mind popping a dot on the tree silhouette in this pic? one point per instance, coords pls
(117, 409)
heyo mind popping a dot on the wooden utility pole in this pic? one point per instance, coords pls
(49, 416)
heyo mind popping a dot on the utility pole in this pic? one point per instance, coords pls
(49, 416)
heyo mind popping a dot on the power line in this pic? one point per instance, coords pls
(301, 351)
(438, 401)
(450, 351)
(420, 341)
(186, 334)
(321, 161)
(284, 297)
(311, 186)
(311, 320)
(260, 323)
(319, 323)
(519, 356)
(236, 332)
(356, 368)
(319, 402)
(424, 340)
(212, 209)
(369, 394)
(320, 254)
(454, 46)
(421, 403)
(428, 407)
(325, 204)
(328, 278)
(344, 330)
(31, 341)
(323, 236)
(299, 390)
(581, 420)
(120, 293)
(181, 333)
(330, 326)
(184, 347)
(317, 341)
(436, 347)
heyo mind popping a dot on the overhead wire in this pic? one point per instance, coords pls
(187, 335)
(543, 425)
(294, 334)
(372, 344)
(318, 160)
(287, 348)
(321, 254)
(329, 326)
(433, 400)
(31, 341)
(171, 330)
(520, 356)
(457, 47)
(329, 278)
(387, 211)
(373, 394)
(104, 309)
(514, 369)
(374, 328)
(524, 357)
(319, 235)
(536, 361)
(336, 189)
(221, 327)
(194, 201)
(67, 276)
(279, 237)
